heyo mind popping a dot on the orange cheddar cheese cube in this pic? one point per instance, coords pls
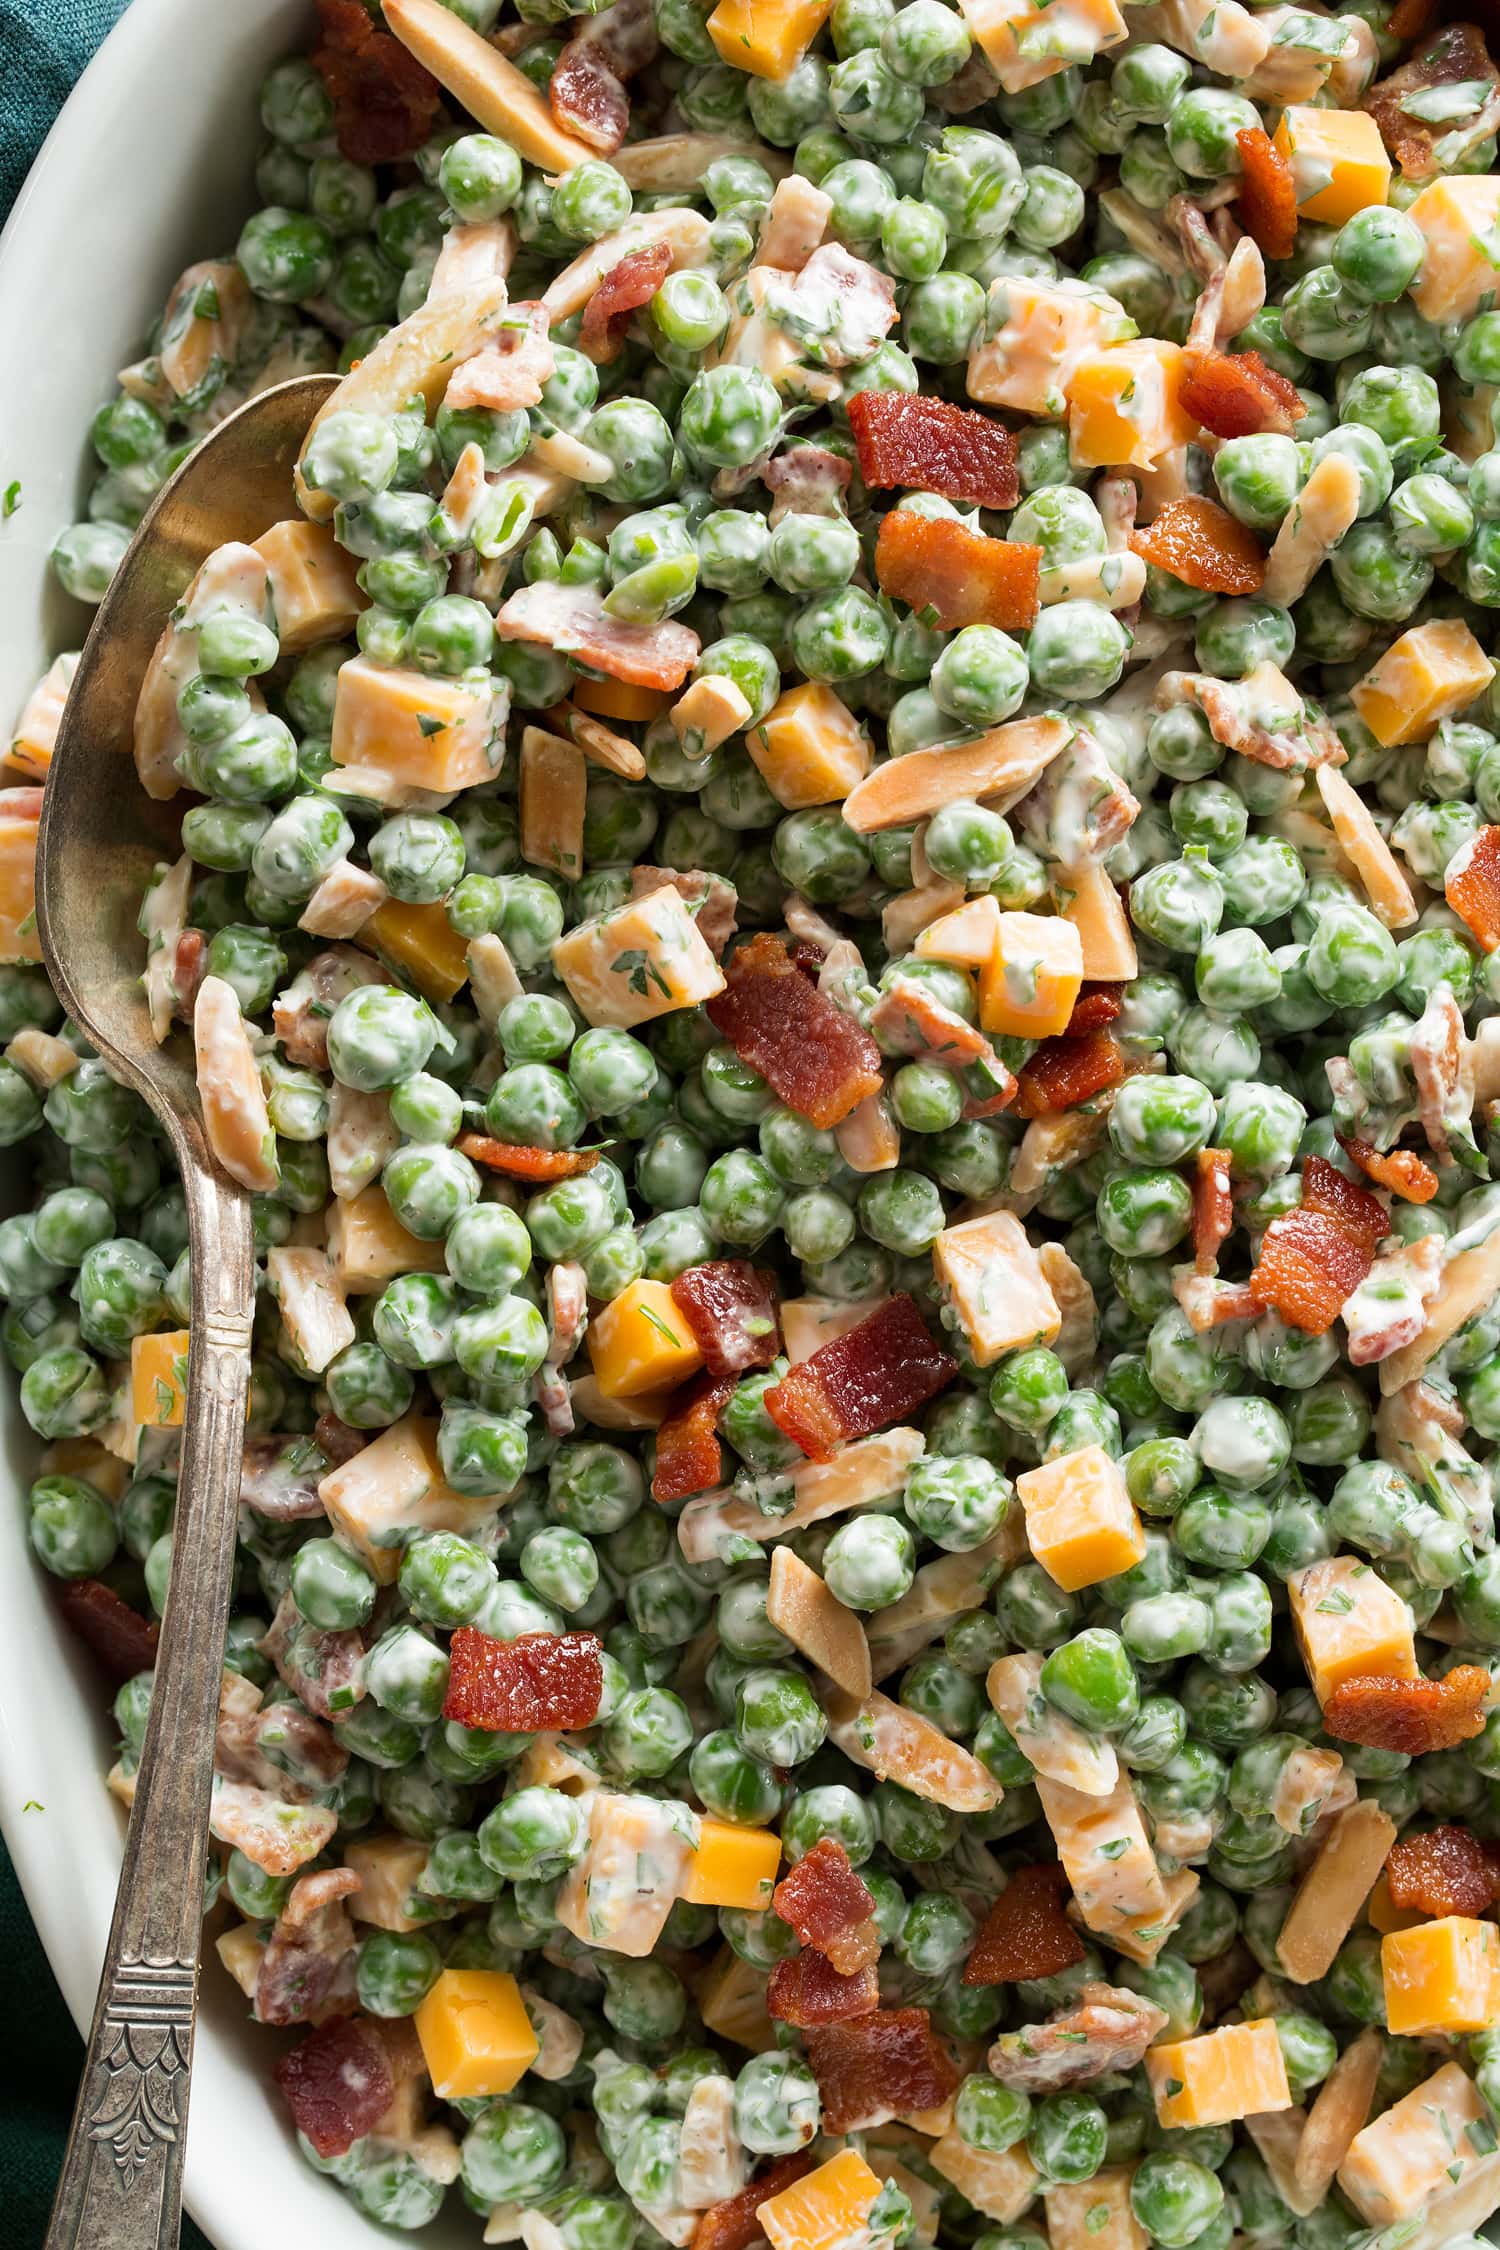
(826, 2210)
(1025, 41)
(158, 1380)
(476, 2036)
(969, 936)
(1348, 1621)
(369, 1246)
(314, 593)
(390, 1490)
(388, 1867)
(1002, 2183)
(1089, 902)
(553, 795)
(642, 961)
(1041, 330)
(19, 939)
(1383, 1914)
(421, 942)
(1458, 219)
(621, 699)
(1428, 674)
(434, 734)
(766, 38)
(1338, 159)
(1030, 982)
(1442, 1977)
(1124, 409)
(732, 1866)
(809, 749)
(732, 2003)
(1236, 2071)
(640, 1342)
(1106, 1855)
(1418, 2148)
(994, 1281)
(1081, 1523)
(1085, 2214)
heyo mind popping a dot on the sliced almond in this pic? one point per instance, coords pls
(484, 83)
(1341, 2110)
(1313, 526)
(554, 787)
(817, 1624)
(674, 163)
(684, 232)
(1386, 887)
(1470, 1282)
(904, 917)
(1333, 1891)
(599, 744)
(1009, 757)
(1277, 2134)
(941, 1591)
(493, 982)
(896, 1745)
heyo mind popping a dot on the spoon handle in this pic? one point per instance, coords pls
(121, 2183)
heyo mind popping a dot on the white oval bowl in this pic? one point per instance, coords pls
(149, 166)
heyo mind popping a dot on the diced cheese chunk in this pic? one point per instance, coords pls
(1236, 2071)
(640, 1342)
(1140, 1937)
(710, 711)
(826, 2210)
(369, 1246)
(421, 942)
(438, 734)
(795, 223)
(388, 1868)
(1001, 2184)
(343, 902)
(553, 791)
(476, 2036)
(817, 1624)
(1429, 673)
(35, 738)
(869, 1469)
(1088, 900)
(43, 1057)
(242, 1951)
(1094, 2214)
(391, 1489)
(644, 960)
(969, 937)
(1105, 1853)
(809, 749)
(1442, 1977)
(158, 1379)
(897, 1745)
(19, 938)
(1025, 41)
(1039, 331)
(1349, 1621)
(1124, 409)
(620, 1893)
(621, 699)
(766, 38)
(1339, 163)
(995, 1285)
(732, 1866)
(314, 593)
(1081, 1523)
(732, 2003)
(1418, 2148)
(1030, 982)
(1459, 218)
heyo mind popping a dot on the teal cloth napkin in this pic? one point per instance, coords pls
(45, 44)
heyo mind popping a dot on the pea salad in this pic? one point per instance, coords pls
(838, 894)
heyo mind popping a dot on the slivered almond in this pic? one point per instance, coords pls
(1470, 1282)
(1277, 2134)
(493, 982)
(674, 163)
(483, 82)
(599, 744)
(684, 232)
(942, 1590)
(869, 1138)
(554, 786)
(895, 1744)
(42, 1056)
(1116, 580)
(906, 915)
(817, 1624)
(1334, 1890)
(1009, 757)
(1386, 888)
(1313, 526)
(1341, 2110)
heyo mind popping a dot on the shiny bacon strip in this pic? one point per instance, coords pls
(1309, 1265)
(731, 1312)
(822, 1897)
(928, 445)
(1400, 1169)
(1456, 55)
(863, 1381)
(1446, 1871)
(586, 93)
(1025, 1933)
(1414, 1717)
(818, 1059)
(959, 576)
(1202, 545)
(1213, 1208)
(1238, 395)
(1472, 886)
(1325, 1188)
(384, 102)
(574, 621)
(732, 2224)
(688, 1455)
(337, 2084)
(1268, 194)
(807, 480)
(541, 1680)
(1096, 1005)
(1066, 1071)
(518, 1162)
(123, 1641)
(623, 290)
(884, 2065)
(808, 1990)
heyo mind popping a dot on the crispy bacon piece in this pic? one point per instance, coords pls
(1446, 1871)
(1096, 1005)
(1400, 1169)
(518, 1162)
(189, 967)
(1213, 1208)
(337, 2084)
(1456, 55)
(1325, 1188)
(876, 2067)
(864, 1380)
(1202, 545)
(1066, 1071)
(1415, 1717)
(587, 91)
(574, 621)
(509, 370)
(307, 1969)
(1268, 194)
(818, 1059)
(540, 1681)
(1409, 19)
(335, 1440)
(1108, 2028)
(624, 289)
(1237, 395)
(806, 480)
(928, 445)
(384, 102)
(732, 2224)
(123, 1641)
(325, 1670)
(808, 1990)
(1209, 1303)
(962, 577)
(1025, 1933)
(730, 1307)
(279, 1478)
(1472, 886)
(1309, 1265)
(822, 1896)
(688, 1455)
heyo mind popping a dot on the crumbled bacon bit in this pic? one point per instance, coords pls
(384, 102)
(808, 1990)
(1472, 886)
(586, 93)
(688, 1454)
(732, 2224)
(1066, 1071)
(1096, 1005)
(123, 1641)
(1325, 1188)
(337, 2084)
(962, 577)
(1414, 1717)
(928, 445)
(335, 1440)
(574, 621)
(1025, 1933)
(1409, 19)
(822, 1896)
(519, 1162)
(623, 290)
(818, 1059)
(1213, 1208)
(884, 2065)
(1202, 545)
(1238, 395)
(1268, 194)
(864, 1380)
(807, 480)
(1446, 1871)
(1400, 1170)
(1457, 55)
(730, 1308)
(1309, 1265)
(541, 1680)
